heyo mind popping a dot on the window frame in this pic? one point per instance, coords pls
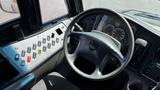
(27, 24)
(30, 19)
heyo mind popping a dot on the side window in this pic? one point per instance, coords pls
(52, 9)
(8, 11)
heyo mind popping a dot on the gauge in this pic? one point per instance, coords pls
(108, 29)
(117, 24)
(118, 34)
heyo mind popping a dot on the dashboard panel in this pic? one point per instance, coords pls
(27, 54)
(27, 59)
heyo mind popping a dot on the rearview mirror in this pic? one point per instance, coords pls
(9, 6)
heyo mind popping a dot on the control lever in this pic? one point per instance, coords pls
(141, 42)
(140, 49)
(157, 87)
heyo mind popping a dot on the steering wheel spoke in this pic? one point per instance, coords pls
(103, 62)
(97, 73)
(111, 43)
(120, 58)
(79, 27)
(72, 57)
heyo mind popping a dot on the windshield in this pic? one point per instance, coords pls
(152, 6)
(146, 10)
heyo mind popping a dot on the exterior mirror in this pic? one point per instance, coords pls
(9, 6)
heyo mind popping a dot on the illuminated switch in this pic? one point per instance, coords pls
(44, 48)
(29, 50)
(39, 43)
(39, 51)
(34, 55)
(22, 63)
(34, 47)
(17, 57)
(57, 40)
(48, 45)
(48, 38)
(29, 58)
(53, 43)
(44, 41)
(23, 53)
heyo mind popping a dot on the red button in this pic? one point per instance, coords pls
(29, 59)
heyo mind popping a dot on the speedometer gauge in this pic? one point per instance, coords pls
(118, 33)
(108, 29)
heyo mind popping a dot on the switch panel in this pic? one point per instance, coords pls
(27, 54)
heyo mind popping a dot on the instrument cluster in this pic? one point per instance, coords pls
(116, 32)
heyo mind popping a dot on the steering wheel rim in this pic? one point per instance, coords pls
(98, 75)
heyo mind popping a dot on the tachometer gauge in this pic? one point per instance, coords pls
(108, 29)
(118, 33)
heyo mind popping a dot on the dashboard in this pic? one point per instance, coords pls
(28, 54)
(145, 61)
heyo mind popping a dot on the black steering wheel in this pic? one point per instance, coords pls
(107, 44)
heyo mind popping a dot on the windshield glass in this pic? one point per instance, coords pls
(152, 6)
(146, 10)
(6, 16)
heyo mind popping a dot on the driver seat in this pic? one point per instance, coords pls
(54, 81)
